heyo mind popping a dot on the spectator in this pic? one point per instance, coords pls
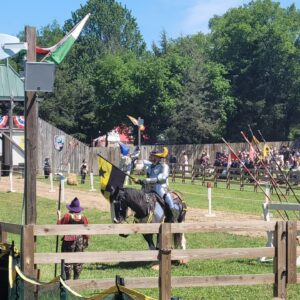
(73, 243)
(83, 171)
(185, 161)
(172, 162)
(47, 167)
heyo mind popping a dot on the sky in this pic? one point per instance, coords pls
(176, 17)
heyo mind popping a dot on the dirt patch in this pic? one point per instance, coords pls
(88, 199)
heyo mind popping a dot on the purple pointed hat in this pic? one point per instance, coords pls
(74, 206)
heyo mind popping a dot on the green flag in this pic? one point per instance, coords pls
(61, 49)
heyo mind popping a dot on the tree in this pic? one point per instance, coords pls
(203, 102)
(77, 104)
(259, 46)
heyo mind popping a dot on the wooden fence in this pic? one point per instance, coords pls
(284, 254)
(233, 176)
(75, 151)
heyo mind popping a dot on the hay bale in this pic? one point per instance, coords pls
(72, 179)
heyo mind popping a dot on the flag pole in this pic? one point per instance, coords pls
(250, 174)
(139, 133)
(57, 237)
(270, 176)
(64, 38)
(280, 170)
(132, 178)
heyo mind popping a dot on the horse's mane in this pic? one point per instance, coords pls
(134, 194)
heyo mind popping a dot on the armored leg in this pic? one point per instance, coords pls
(174, 212)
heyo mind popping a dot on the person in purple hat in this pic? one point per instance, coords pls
(73, 243)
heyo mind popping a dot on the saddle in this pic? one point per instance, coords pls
(161, 201)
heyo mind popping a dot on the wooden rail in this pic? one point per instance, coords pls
(284, 254)
(218, 174)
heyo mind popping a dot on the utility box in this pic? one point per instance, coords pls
(39, 77)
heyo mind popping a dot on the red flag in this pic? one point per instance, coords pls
(251, 153)
(230, 158)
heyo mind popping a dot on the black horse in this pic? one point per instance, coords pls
(148, 208)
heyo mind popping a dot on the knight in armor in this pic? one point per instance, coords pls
(73, 243)
(157, 179)
(125, 161)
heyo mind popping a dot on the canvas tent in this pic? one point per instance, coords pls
(115, 136)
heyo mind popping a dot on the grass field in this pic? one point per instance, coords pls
(246, 202)
(231, 200)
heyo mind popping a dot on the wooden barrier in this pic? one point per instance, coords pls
(284, 253)
(237, 176)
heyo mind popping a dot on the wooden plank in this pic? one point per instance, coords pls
(95, 229)
(291, 250)
(100, 229)
(93, 257)
(280, 260)
(284, 206)
(11, 228)
(178, 282)
(27, 259)
(116, 256)
(3, 235)
(222, 280)
(130, 282)
(165, 244)
(219, 226)
(13, 142)
(222, 253)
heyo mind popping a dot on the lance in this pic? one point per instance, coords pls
(274, 184)
(280, 170)
(250, 174)
(58, 209)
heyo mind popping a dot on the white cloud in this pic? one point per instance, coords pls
(197, 15)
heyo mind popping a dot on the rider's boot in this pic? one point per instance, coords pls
(175, 215)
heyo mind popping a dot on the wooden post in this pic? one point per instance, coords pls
(291, 252)
(165, 243)
(31, 128)
(3, 235)
(280, 260)
(27, 259)
(31, 154)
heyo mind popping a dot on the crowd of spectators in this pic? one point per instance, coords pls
(284, 158)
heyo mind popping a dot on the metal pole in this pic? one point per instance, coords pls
(11, 135)
(139, 133)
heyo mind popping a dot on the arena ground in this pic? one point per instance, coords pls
(95, 200)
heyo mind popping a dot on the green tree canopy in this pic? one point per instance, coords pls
(259, 46)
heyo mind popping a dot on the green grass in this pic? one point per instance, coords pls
(230, 200)
(196, 196)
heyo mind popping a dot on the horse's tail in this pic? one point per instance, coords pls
(183, 211)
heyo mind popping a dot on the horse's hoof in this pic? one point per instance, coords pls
(155, 267)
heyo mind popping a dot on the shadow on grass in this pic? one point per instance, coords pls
(121, 265)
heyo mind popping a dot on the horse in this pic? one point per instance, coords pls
(148, 207)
